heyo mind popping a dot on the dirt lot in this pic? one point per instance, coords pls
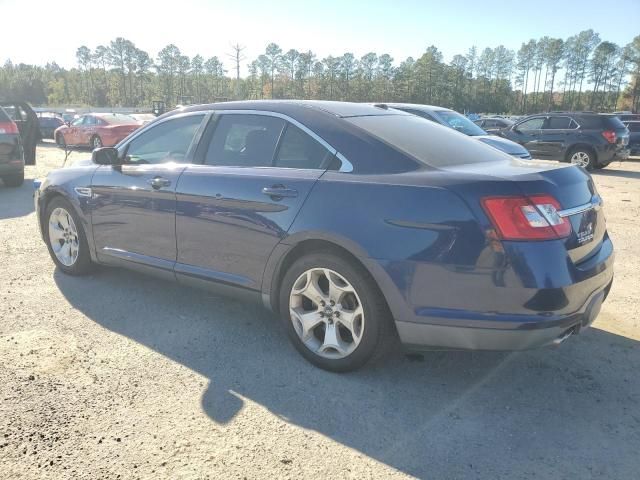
(120, 376)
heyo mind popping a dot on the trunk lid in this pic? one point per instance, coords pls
(571, 186)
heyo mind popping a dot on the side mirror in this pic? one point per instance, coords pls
(105, 156)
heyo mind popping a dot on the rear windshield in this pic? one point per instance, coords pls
(426, 141)
(613, 122)
(3, 116)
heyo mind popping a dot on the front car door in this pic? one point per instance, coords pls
(85, 130)
(134, 204)
(257, 170)
(72, 134)
(527, 133)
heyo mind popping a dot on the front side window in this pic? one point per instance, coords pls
(533, 124)
(244, 141)
(165, 142)
(299, 150)
(77, 122)
(89, 121)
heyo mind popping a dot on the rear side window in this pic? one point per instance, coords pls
(427, 142)
(3, 116)
(244, 141)
(299, 150)
(558, 123)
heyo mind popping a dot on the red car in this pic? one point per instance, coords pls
(96, 130)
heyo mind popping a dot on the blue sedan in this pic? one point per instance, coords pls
(357, 224)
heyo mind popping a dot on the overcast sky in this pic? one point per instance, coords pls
(401, 28)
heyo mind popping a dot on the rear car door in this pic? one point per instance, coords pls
(554, 137)
(232, 210)
(134, 204)
(527, 133)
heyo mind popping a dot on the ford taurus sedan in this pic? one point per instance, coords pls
(357, 225)
(96, 130)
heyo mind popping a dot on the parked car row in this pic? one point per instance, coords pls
(357, 224)
(11, 152)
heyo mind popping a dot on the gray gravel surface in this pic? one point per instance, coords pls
(116, 375)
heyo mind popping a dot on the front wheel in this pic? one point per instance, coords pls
(96, 142)
(60, 140)
(66, 240)
(334, 313)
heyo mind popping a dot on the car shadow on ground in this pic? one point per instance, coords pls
(16, 201)
(611, 172)
(570, 411)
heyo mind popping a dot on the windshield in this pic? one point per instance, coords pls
(459, 122)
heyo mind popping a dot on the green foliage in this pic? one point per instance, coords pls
(549, 73)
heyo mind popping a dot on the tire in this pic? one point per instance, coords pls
(96, 142)
(60, 140)
(14, 180)
(372, 331)
(81, 263)
(583, 157)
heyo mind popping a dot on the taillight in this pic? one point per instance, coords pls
(8, 127)
(526, 218)
(610, 136)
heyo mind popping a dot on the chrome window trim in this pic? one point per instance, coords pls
(346, 166)
(596, 201)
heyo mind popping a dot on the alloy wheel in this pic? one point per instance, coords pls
(63, 236)
(97, 143)
(326, 313)
(581, 159)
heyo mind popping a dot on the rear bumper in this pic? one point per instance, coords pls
(484, 336)
(538, 303)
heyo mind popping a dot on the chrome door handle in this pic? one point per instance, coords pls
(279, 191)
(159, 182)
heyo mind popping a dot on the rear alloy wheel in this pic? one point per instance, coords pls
(582, 158)
(15, 180)
(334, 313)
(66, 239)
(96, 142)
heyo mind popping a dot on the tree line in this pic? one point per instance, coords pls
(581, 72)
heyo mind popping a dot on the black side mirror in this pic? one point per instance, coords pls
(105, 156)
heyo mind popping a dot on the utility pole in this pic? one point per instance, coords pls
(237, 57)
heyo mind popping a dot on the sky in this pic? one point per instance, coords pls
(401, 28)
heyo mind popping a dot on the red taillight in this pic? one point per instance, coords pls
(610, 136)
(8, 127)
(526, 218)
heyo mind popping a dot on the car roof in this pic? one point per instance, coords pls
(418, 106)
(337, 109)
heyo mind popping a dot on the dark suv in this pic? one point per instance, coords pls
(589, 140)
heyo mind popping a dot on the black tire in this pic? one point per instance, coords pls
(14, 180)
(83, 263)
(592, 161)
(378, 334)
(60, 140)
(96, 142)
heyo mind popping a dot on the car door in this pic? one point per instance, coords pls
(257, 170)
(134, 204)
(72, 134)
(85, 130)
(527, 133)
(553, 137)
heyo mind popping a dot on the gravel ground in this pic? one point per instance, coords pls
(116, 375)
